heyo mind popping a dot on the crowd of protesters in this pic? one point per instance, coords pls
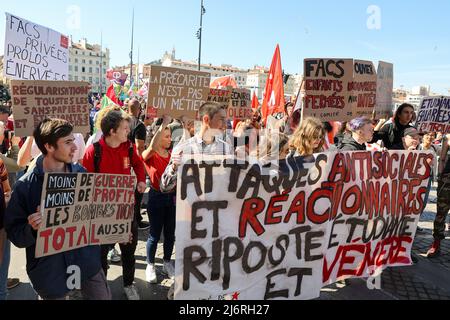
(124, 141)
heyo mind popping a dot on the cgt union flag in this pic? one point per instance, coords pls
(274, 94)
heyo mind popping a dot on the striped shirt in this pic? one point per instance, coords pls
(193, 146)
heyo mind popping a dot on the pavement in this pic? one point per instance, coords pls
(427, 280)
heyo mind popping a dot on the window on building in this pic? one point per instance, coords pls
(76, 68)
(90, 79)
(70, 68)
(76, 51)
(84, 61)
(76, 78)
(90, 61)
(90, 69)
(70, 78)
(97, 70)
(104, 63)
(97, 63)
(83, 69)
(76, 60)
(83, 78)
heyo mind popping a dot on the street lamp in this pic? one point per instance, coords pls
(199, 34)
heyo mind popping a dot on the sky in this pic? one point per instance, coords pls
(411, 34)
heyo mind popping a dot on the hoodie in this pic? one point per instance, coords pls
(350, 144)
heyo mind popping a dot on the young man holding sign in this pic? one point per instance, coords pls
(115, 154)
(51, 276)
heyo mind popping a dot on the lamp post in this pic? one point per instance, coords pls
(199, 34)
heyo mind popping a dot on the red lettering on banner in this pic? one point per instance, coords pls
(250, 209)
(46, 235)
(270, 219)
(387, 252)
(310, 210)
(297, 207)
(93, 239)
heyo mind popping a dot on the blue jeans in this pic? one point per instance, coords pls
(161, 211)
(4, 270)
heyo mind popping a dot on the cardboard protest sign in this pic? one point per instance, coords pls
(220, 96)
(326, 89)
(434, 115)
(363, 89)
(245, 231)
(34, 52)
(240, 107)
(176, 92)
(33, 101)
(385, 87)
(84, 209)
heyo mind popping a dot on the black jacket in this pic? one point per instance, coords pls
(48, 275)
(350, 144)
(391, 134)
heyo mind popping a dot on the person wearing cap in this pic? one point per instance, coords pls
(410, 140)
(361, 133)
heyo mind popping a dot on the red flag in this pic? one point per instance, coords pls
(274, 94)
(255, 102)
(223, 82)
(112, 94)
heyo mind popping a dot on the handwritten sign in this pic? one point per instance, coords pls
(33, 101)
(177, 92)
(84, 209)
(34, 52)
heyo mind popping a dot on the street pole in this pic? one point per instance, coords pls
(101, 63)
(131, 53)
(200, 32)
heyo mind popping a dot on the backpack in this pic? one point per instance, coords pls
(98, 155)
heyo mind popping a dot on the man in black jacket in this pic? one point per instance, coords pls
(49, 275)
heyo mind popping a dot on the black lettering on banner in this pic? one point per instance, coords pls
(236, 168)
(299, 272)
(298, 239)
(214, 206)
(190, 266)
(228, 258)
(251, 180)
(270, 285)
(310, 246)
(245, 259)
(215, 259)
(272, 260)
(209, 174)
(194, 178)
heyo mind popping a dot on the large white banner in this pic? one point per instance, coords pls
(247, 232)
(34, 52)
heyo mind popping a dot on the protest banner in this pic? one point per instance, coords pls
(33, 101)
(221, 96)
(176, 92)
(363, 89)
(385, 87)
(434, 115)
(326, 89)
(82, 209)
(34, 52)
(246, 232)
(240, 106)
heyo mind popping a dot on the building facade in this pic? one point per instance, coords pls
(89, 63)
